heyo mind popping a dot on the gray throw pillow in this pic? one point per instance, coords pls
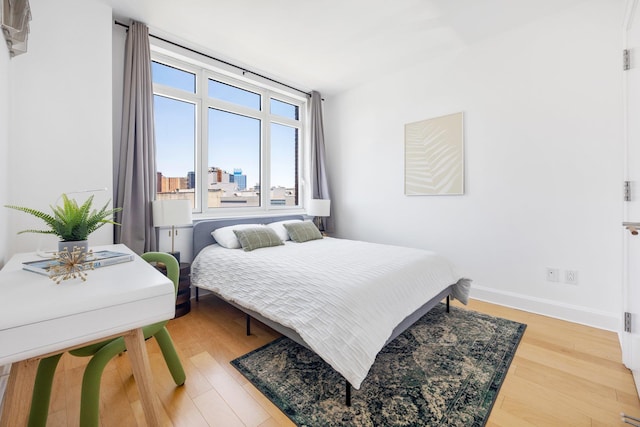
(258, 237)
(303, 231)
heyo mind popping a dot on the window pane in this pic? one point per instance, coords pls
(284, 109)
(225, 92)
(175, 148)
(284, 165)
(234, 160)
(173, 77)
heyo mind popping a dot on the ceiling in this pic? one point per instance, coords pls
(330, 45)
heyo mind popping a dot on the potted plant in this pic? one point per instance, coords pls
(71, 222)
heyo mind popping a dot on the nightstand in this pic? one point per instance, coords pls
(183, 299)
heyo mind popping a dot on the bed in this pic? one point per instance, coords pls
(327, 294)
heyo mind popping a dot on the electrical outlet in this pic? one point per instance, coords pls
(571, 277)
(553, 275)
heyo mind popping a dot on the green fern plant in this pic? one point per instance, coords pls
(71, 222)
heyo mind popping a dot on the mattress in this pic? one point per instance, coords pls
(343, 297)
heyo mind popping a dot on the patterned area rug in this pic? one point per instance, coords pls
(445, 370)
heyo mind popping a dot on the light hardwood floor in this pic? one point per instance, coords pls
(563, 374)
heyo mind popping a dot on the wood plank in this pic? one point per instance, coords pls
(174, 399)
(539, 405)
(276, 415)
(217, 411)
(73, 391)
(245, 407)
(114, 406)
(571, 363)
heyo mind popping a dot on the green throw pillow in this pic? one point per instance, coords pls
(303, 231)
(259, 237)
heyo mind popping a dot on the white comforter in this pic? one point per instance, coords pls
(343, 297)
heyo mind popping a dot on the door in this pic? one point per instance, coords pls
(630, 336)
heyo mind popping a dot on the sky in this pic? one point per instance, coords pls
(233, 140)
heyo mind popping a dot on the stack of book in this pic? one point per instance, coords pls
(95, 260)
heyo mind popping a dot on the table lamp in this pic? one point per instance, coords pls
(319, 208)
(171, 213)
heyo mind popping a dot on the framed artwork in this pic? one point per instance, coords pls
(434, 156)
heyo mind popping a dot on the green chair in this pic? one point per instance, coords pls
(101, 353)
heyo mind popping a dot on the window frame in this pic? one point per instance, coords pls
(205, 69)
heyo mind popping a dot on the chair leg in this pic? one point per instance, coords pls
(170, 356)
(90, 400)
(42, 391)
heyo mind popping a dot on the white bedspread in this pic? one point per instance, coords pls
(343, 297)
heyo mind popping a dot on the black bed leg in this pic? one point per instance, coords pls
(197, 294)
(248, 325)
(348, 393)
(447, 303)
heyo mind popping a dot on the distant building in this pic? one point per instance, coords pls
(224, 190)
(166, 184)
(220, 180)
(217, 176)
(191, 179)
(171, 184)
(240, 179)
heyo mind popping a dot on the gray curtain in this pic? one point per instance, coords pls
(15, 25)
(319, 186)
(135, 187)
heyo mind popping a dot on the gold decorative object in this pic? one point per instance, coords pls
(72, 264)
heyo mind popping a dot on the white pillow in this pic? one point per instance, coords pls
(282, 232)
(226, 238)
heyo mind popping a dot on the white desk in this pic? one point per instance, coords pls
(39, 318)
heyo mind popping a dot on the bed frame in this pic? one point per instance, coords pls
(202, 237)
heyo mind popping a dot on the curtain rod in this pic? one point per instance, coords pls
(244, 70)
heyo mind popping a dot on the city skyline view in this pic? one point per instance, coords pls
(234, 140)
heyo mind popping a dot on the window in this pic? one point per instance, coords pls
(234, 159)
(225, 92)
(173, 77)
(175, 130)
(221, 140)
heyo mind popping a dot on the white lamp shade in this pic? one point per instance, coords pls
(171, 212)
(319, 207)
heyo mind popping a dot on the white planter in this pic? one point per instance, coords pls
(83, 244)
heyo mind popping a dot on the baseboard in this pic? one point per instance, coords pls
(557, 309)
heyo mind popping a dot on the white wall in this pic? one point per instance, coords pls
(61, 114)
(543, 147)
(5, 120)
(119, 40)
